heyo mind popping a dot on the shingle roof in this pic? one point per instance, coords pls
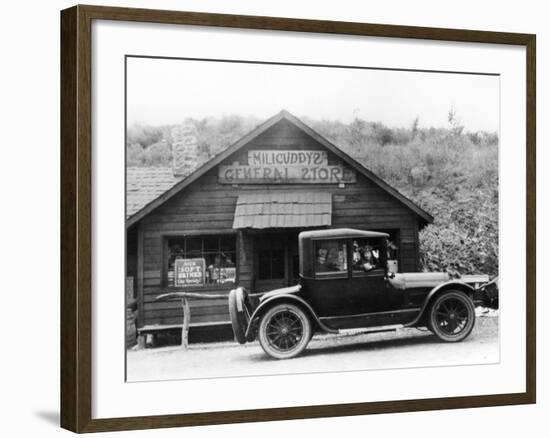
(280, 210)
(145, 184)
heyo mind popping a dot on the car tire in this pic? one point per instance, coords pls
(452, 316)
(237, 312)
(284, 331)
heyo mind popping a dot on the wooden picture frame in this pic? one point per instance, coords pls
(76, 217)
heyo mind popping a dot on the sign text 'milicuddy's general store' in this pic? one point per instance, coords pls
(284, 167)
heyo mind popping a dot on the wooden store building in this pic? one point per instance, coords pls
(236, 218)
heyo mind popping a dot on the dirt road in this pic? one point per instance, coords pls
(348, 351)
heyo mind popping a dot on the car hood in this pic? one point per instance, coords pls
(411, 280)
(281, 291)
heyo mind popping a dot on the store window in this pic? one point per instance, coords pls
(330, 256)
(200, 261)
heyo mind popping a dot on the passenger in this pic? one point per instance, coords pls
(356, 257)
(333, 263)
(321, 260)
(365, 259)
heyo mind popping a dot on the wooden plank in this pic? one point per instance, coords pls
(151, 242)
(408, 233)
(193, 222)
(366, 223)
(361, 217)
(366, 203)
(70, 336)
(157, 327)
(216, 197)
(194, 320)
(216, 190)
(373, 212)
(186, 231)
(205, 216)
(199, 227)
(156, 273)
(300, 143)
(151, 252)
(150, 262)
(209, 207)
(416, 248)
(245, 268)
(148, 282)
(159, 234)
(193, 304)
(185, 324)
(139, 276)
(155, 291)
(195, 312)
(223, 196)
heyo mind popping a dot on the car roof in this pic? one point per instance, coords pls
(342, 233)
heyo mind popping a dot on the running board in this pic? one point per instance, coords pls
(383, 328)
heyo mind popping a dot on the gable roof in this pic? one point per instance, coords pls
(172, 190)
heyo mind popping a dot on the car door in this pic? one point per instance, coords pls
(368, 281)
(329, 293)
(369, 291)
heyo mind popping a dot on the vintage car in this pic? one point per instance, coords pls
(345, 283)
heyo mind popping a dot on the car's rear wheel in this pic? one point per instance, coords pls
(284, 331)
(452, 316)
(237, 312)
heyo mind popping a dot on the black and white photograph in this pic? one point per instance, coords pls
(286, 218)
(274, 219)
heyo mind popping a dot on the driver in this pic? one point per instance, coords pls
(363, 257)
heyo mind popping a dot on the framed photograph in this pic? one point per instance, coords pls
(271, 218)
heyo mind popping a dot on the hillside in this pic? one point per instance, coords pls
(451, 173)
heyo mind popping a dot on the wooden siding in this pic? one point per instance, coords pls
(131, 252)
(207, 207)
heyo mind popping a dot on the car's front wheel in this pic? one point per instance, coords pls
(284, 331)
(452, 316)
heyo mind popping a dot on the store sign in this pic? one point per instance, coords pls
(285, 167)
(189, 272)
(223, 275)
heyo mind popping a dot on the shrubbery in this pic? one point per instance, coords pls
(450, 173)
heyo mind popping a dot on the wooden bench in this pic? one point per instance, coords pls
(154, 329)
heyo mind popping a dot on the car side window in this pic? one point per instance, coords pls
(366, 255)
(330, 256)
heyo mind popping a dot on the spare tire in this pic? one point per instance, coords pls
(237, 312)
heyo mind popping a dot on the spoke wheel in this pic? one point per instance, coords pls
(452, 316)
(284, 331)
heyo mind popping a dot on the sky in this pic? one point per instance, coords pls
(167, 91)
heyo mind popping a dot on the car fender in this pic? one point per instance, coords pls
(286, 298)
(451, 284)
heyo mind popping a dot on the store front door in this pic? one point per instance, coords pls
(276, 260)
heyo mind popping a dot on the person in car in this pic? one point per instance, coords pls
(363, 258)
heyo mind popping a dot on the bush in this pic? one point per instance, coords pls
(156, 155)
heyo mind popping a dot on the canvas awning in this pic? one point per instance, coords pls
(283, 210)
